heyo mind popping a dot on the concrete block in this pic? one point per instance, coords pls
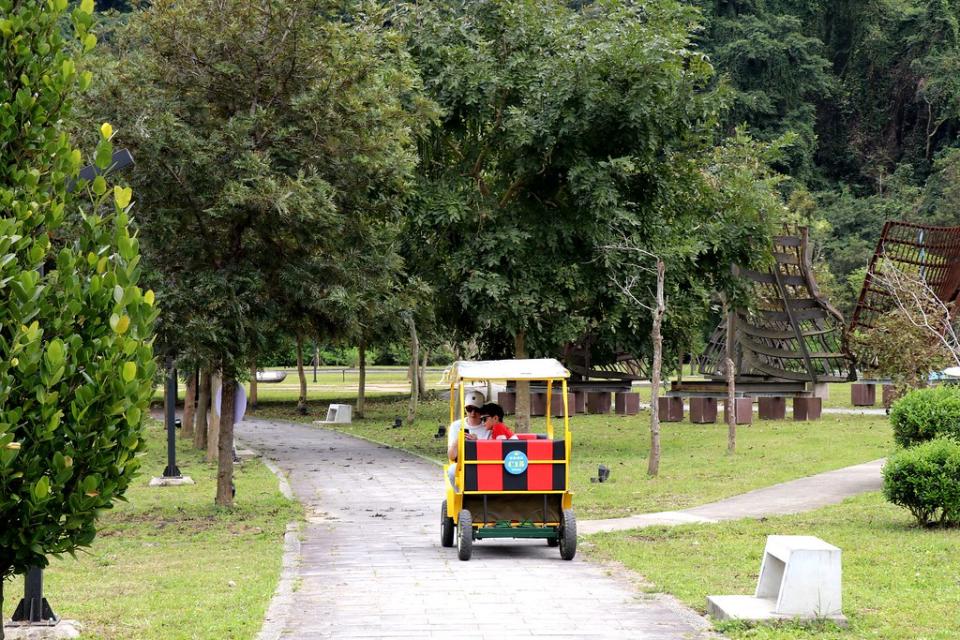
(821, 390)
(889, 395)
(538, 404)
(62, 630)
(598, 402)
(508, 400)
(556, 404)
(800, 578)
(627, 403)
(580, 401)
(742, 410)
(671, 408)
(863, 395)
(176, 481)
(772, 408)
(807, 408)
(338, 414)
(703, 410)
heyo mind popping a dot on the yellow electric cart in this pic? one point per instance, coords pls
(514, 488)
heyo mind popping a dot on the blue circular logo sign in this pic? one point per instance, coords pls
(515, 462)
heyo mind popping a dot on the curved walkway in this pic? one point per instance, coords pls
(371, 564)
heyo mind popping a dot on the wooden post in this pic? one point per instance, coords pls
(653, 463)
(730, 410)
(189, 400)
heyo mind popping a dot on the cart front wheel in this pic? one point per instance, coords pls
(568, 535)
(446, 527)
(465, 537)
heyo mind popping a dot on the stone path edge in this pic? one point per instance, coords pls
(281, 603)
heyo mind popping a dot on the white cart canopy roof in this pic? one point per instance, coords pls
(537, 369)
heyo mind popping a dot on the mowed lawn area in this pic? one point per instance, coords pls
(695, 468)
(168, 564)
(900, 581)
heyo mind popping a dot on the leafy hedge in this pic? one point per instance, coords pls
(925, 414)
(926, 480)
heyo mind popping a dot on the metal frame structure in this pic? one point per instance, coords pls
(933, 252)
(793, 334)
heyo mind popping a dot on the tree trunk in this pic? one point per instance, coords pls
(302, 400)
(253, 386)
(653, 464)
(203, 406)
(225, 444)
(189, 400)
(213, 426)
(523, 386)
(362, 384)
(2, 580)
(730, 412)
(414, 374)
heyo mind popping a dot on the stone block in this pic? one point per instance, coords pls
(508, 400)
(772, 408)
(742, 410)
(863, 395)
(598, 402)
(538, 404)
(703, 410)
(556, 404)
(807, 408)
(626, 403)
(671, 408)
(580, 401)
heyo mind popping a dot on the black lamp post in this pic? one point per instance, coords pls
(171, 421)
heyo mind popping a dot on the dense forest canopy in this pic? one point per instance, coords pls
(868, 92)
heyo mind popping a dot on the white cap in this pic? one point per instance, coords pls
(473, 399)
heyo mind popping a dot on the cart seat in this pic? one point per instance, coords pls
(546, 468)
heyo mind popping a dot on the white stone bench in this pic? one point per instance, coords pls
(800, 578)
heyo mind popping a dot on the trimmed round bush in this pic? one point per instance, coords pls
(925, 479)
(925, 414)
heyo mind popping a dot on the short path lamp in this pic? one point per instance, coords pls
(171, 474)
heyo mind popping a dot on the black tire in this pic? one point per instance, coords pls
(446, 527)
(465, 535)
(553, 542)
(568, 535)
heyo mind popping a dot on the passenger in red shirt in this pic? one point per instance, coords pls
(491, 415)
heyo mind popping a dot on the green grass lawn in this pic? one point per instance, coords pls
(169, 564)
(694, 466)
(900, 582)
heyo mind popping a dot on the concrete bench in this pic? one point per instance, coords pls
(799, 578)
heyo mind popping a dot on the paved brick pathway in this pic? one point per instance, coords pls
(372, 565)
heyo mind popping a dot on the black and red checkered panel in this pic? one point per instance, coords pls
(549, 476)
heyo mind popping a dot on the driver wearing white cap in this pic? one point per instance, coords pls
(476, 430)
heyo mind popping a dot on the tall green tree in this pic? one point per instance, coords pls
(261, 130)
(76, 360)
(557, 121)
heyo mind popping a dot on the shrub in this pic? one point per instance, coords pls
(926, 480)
(925, 414)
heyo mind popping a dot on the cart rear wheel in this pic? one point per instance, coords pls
(568, 535)
(446, 526)
(465, 535)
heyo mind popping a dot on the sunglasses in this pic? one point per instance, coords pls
(484, 418)
(472, 410)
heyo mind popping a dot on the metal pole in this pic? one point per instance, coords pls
(171, 408)
(34, 608)
(316, 359)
